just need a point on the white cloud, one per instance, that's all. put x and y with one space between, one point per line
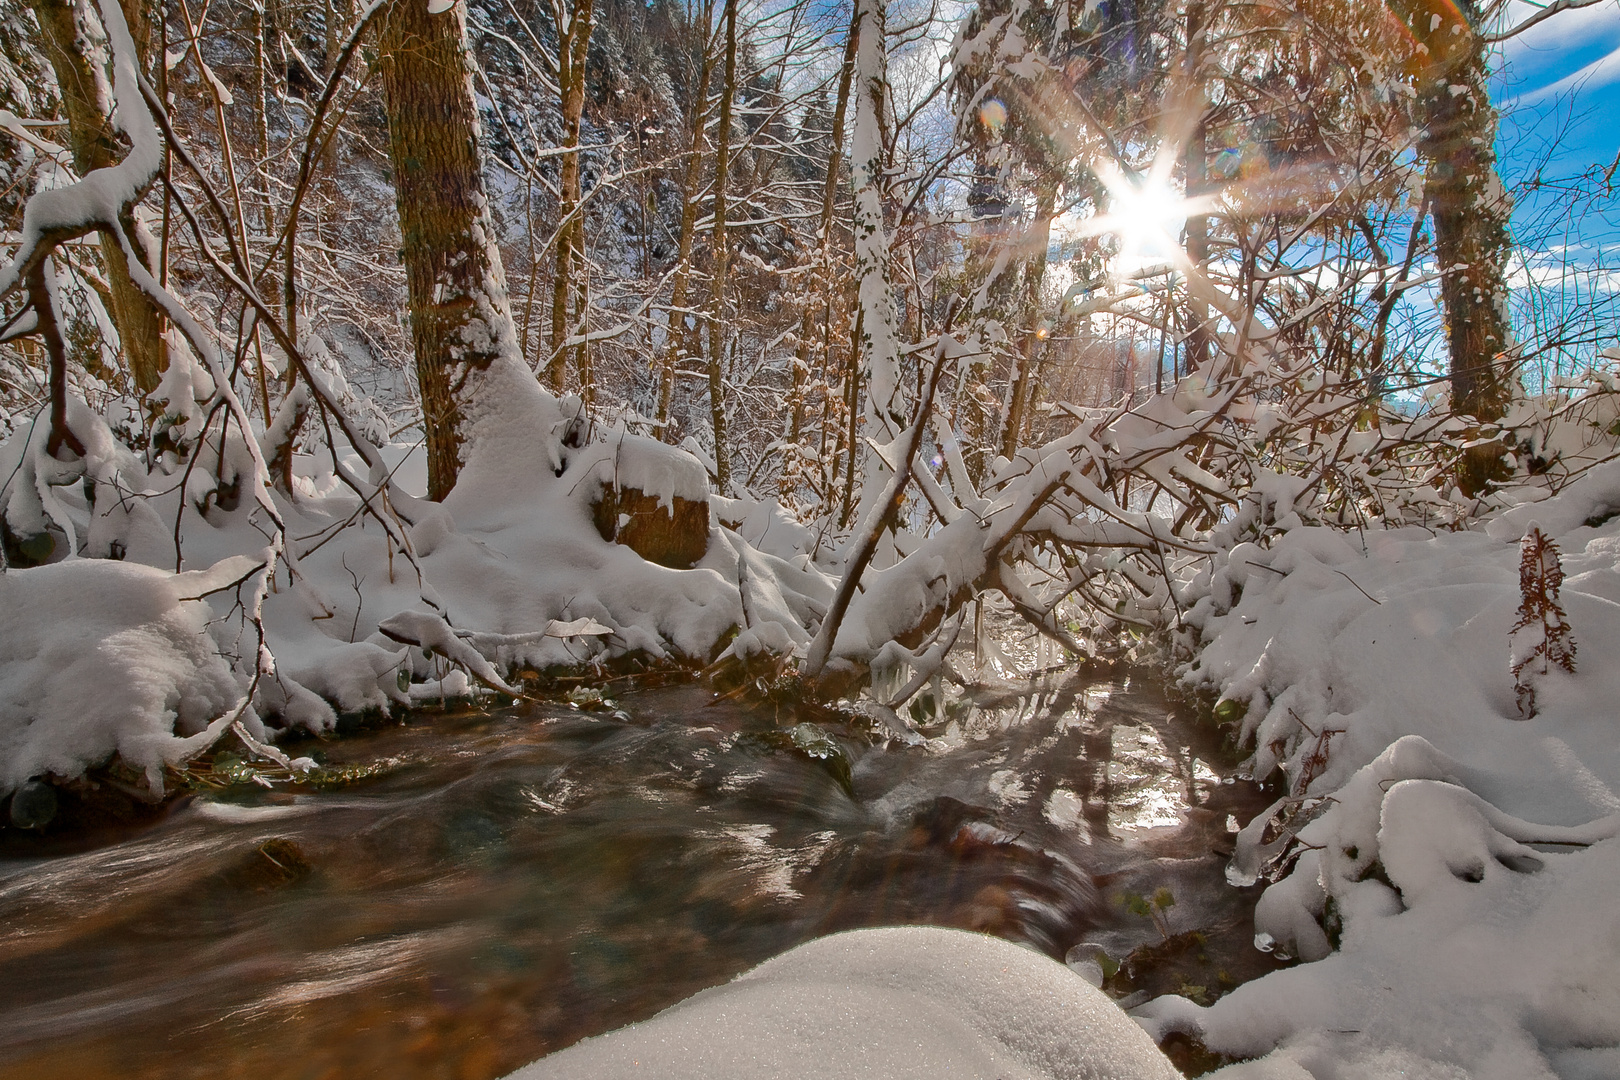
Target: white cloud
1600 72
1563 32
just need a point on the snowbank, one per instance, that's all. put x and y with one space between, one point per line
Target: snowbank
1449 868
902 1003
100 657
104 654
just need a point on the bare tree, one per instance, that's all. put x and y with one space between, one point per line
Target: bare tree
574 27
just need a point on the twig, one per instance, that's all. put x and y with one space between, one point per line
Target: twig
1359 589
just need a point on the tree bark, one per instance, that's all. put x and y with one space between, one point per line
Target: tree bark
829 196
1469 208
459 321
676 339
1195 177
1022 387
77 53
41 297
876 340
717 293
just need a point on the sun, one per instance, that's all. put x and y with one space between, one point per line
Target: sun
1147 214
1146 211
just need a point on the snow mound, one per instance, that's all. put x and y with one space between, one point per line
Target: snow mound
100 657
623 460
897 1003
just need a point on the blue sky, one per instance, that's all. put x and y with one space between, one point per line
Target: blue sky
1558 89
1561 76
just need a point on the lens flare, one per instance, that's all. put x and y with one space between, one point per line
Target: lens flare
993 115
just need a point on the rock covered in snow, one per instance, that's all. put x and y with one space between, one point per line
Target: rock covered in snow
654 498
899 1003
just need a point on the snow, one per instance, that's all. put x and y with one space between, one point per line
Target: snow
1466 859
624 460
100 657
899 1003
509 573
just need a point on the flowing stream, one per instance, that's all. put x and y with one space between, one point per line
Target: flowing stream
484 888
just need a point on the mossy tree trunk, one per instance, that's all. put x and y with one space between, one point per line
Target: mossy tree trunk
460 324
1470 211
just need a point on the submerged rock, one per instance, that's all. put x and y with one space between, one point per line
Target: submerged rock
33 805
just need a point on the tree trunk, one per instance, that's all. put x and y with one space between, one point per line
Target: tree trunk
829 198
572 52
1199 344
460 324
77 53
1470 211
1022 386
717 302
676 338
1469 208
1195 177
877 341
825 242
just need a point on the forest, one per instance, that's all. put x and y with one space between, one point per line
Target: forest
361 361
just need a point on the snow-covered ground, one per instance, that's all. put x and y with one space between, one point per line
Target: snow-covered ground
1455 865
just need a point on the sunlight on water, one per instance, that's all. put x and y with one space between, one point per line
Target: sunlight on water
1150 786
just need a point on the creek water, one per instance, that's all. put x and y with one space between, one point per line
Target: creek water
486 888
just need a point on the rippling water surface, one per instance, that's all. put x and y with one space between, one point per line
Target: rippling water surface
503 885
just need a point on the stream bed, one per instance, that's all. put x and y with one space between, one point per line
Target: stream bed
482 889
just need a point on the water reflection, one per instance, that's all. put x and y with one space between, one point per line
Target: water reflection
505 885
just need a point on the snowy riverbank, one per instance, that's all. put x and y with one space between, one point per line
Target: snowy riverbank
1445 866
380 599
1451 873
